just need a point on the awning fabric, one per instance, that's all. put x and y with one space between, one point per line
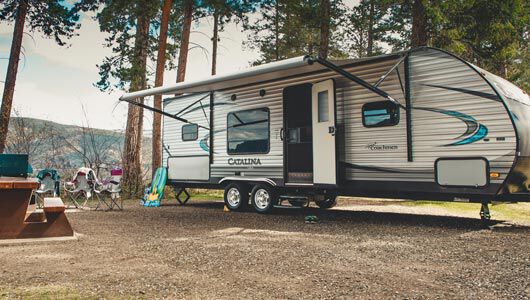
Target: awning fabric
265 72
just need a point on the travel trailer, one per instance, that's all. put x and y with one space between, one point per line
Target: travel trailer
419 124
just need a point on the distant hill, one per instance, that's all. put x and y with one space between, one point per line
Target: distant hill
68 147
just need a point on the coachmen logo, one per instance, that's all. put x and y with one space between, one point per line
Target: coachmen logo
376 147
244 162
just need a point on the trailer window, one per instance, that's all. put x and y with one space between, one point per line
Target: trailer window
379 114
190 132
248 131
323 107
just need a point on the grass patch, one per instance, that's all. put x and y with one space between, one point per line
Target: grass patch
206 194
513 211
43 292
504 211
456 206
57 292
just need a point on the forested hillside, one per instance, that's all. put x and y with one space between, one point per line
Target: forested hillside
67 147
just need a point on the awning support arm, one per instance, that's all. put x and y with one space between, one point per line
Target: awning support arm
186 108
348 75
390 71
162 112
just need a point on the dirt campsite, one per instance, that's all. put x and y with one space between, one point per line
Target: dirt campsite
360 249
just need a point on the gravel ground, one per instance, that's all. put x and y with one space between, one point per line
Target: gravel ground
198 251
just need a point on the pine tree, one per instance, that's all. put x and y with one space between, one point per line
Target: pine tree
52 19
412 23
325 23
130 25
289 28
156 160
188 9
222 12
364 28
419 34
487 32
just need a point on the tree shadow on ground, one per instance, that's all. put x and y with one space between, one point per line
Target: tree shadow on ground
379 218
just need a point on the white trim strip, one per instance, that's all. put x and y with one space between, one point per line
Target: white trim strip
260 179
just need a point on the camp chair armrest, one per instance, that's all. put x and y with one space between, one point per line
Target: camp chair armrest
69 186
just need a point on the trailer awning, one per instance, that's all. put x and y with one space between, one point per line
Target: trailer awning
265 72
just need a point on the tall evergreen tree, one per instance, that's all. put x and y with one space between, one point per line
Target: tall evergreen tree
222 12
412 23
491 33
364 28
325 23
488 32
419 34
131 26
288 28
188 7
156 160
51 18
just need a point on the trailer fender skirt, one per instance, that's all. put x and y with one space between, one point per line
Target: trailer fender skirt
249 179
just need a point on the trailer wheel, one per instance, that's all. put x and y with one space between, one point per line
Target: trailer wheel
263 198
236 196
328 202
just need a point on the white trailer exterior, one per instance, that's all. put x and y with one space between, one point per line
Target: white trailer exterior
428 125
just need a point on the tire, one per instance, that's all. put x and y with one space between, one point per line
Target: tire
236 196
329 202
263 198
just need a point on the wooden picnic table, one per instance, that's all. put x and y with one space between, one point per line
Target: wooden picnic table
18 221
18 183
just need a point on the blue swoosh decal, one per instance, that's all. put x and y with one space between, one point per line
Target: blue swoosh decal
481 133
205 141
474 132
204 144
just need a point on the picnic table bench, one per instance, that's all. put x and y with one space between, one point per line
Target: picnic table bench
20 220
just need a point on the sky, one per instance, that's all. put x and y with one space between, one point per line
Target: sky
56 83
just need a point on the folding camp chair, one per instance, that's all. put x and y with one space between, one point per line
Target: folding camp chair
108 191
49 181
81 187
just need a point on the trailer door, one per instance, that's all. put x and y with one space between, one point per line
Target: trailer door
324 130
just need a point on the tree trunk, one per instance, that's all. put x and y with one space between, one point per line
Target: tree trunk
370 45
132 175
185 40
324 29
277 31
503 70
12 69
156 160
419 24
215 40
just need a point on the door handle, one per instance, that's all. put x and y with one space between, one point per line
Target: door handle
332 130
282 133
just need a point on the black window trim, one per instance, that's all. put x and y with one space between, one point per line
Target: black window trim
386 125
268 131
188 125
